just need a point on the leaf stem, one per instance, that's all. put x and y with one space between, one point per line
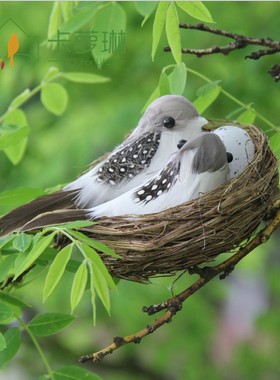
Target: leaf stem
30 95
70 237
38 347
235 100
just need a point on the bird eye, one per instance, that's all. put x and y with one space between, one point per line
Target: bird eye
181 143
168 122
229 157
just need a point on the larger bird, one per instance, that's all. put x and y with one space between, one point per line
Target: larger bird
198 167
147 150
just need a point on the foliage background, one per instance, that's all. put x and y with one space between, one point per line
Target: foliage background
96 119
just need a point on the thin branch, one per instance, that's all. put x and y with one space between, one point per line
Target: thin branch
174 304
239 38
240 42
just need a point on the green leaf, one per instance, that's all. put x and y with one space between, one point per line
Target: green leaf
77 224
12 134
173 33
274 143
94 258
164 87
108 21
74 373
20 99
14 301
56 270
16 152
145 8
100 279
49 323
247 117
79 19
85 78
81 237
93 243
72 266
98 282
12 338
178 79
3 344
207 95
104 248
196 9
6 265
33 273
36 251
55 98
158 25
5 312
79 285
204 90
51 73
93 294
55 20
67 9
5 240
22 242
231 115
16 117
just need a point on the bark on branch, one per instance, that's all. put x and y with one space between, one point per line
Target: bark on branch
240 42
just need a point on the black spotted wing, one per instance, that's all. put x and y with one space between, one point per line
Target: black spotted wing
129 161
158 185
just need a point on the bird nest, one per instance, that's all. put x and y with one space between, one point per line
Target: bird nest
197 231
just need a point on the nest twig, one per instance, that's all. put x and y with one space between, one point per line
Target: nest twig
196 231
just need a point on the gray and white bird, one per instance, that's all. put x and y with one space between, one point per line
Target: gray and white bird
147 150
198 167
239 144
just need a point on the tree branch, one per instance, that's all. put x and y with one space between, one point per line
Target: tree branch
174 304
240 42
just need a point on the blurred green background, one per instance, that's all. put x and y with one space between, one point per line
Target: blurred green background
231 329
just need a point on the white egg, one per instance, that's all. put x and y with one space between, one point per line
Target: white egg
239 144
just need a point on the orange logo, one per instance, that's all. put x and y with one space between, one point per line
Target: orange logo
13 47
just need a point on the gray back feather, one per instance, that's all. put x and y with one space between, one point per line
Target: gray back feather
172 105
210 153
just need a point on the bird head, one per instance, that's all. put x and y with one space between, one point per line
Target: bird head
170 113
209 153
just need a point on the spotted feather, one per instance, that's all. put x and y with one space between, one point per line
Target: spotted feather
159 185
129 161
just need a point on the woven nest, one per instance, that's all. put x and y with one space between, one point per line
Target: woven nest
196 231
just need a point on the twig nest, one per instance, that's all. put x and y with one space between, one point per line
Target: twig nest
196 231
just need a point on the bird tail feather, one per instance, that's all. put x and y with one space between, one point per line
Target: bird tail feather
18 217
55 218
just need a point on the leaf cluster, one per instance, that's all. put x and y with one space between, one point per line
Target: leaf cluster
25 257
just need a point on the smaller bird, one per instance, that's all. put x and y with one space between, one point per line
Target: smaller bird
13 46
198 167
240 145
